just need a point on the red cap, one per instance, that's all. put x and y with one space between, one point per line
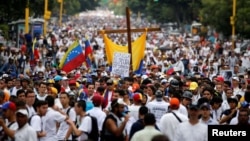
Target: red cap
174 102
72 82
220 78
137 97
97 100
9 105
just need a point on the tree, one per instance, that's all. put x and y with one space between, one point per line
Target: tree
180 11
216 13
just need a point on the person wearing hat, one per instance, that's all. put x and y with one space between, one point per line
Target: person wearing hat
158 106
230 113
186 98
193 87
206 114
134 108
97 111
187 131
112 131
9 109
24 131
235 86
172 119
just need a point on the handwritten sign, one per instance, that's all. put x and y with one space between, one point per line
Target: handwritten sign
121 64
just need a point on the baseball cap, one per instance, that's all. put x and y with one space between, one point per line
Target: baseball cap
158 95
23 112
235 78
193 107
57 78
174 102
205 105
110 82
72 82
219 78
137 97
193 86
187 94
97 100
9 105
64 78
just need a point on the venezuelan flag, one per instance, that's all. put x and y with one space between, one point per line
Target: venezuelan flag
73 58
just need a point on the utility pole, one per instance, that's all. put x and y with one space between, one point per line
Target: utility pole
232 22
47 15
61 12
27 16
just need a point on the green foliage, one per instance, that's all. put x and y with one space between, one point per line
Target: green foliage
12 10
5 30
217 14
180 11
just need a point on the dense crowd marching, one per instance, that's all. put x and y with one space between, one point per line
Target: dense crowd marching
209 85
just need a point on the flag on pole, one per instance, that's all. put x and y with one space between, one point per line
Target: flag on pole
169 70
88 54
73 58
35 52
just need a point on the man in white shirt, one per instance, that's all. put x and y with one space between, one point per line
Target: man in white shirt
170 121
85 126
193 129
9 109
97 111
158 107
64 131
42 91
206 115
35 120
24 132
50 121
30 100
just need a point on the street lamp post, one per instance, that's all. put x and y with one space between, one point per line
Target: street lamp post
232 21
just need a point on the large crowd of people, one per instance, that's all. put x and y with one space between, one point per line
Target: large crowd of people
185 85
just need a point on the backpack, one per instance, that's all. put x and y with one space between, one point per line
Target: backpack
29 120
94 134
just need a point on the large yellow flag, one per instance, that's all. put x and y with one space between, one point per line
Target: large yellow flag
138 48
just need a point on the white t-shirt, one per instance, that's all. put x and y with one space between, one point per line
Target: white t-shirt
99 115
50 121
188 132
86 127
134 111
12 126
158 108
169 122
63 128
26 133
